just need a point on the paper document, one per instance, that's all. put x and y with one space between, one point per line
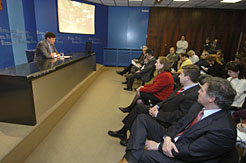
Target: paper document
67 56
135 64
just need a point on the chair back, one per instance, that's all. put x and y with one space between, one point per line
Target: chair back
30 55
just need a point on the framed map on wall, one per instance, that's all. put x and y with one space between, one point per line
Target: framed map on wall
1 5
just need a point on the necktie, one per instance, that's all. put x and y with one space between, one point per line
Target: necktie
179 91
198 118
50 48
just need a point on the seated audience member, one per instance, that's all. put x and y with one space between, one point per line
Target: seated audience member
241 60
145 73
183 61
46 49
202 63
220 57
192 56
172 56
214 69
215 47
139 61
182 45
206 134
159 90
241 138
238 82
169 110
207 45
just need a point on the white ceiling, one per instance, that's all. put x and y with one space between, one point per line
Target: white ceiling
171 3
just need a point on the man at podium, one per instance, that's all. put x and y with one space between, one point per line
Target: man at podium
45 49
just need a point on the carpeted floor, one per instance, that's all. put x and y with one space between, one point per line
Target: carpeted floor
81 136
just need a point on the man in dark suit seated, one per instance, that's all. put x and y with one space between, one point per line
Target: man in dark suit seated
145 73
139 61
206 134
46 48
169 110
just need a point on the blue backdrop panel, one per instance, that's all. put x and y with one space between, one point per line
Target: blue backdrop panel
137 27
30 23
110 57
123 58
127 27
117 27
6 51
120 57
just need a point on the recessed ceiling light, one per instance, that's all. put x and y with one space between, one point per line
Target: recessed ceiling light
230 1
180 0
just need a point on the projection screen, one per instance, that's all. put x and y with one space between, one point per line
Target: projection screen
76 17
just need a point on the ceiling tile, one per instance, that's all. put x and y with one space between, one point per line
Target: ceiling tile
170 3
121 4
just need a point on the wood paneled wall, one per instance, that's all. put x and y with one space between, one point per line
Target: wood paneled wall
166 25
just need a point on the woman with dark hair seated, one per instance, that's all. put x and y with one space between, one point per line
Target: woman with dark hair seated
159 90
238 82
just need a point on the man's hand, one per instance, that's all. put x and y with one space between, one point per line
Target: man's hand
53 55
168 146
153 111
138 71
151 145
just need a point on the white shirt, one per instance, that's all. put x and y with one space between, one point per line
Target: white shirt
240 87
182 45
194 59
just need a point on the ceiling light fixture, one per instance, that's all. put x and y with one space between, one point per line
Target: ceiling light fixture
230 1
158 1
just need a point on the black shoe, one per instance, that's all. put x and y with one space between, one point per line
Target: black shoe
120 73
124 82
128 89
123 142
117 134
124 110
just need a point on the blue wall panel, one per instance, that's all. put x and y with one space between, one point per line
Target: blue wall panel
137 27
117 27
127 27
6 52
30 23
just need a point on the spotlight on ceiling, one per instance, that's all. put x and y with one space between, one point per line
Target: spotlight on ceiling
158 1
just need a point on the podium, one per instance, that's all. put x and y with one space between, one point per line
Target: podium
27 91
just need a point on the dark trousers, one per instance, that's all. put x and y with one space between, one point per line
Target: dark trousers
131 78
145 97
144 127
132 115
127 69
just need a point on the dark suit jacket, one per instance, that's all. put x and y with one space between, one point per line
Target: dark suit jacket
175 107
148 70
141 59
206 141
43 50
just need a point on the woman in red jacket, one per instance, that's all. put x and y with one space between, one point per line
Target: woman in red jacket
159 90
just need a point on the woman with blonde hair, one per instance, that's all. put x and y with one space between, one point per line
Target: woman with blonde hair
159 90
